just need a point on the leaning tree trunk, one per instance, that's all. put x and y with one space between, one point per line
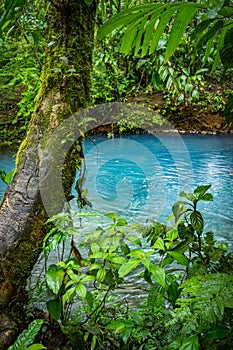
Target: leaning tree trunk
65 89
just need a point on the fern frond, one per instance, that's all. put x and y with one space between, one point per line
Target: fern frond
204 299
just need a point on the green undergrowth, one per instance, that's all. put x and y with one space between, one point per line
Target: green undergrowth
181 276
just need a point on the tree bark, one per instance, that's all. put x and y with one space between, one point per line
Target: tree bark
65 89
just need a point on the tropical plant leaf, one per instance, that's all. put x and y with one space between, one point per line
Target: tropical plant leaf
81 290
158 274
181 22
146 23
160 27
197 221
208 296
26 338
100 276
54 278
191 343
180 258
201 190
156 296
128 266
54 308
36 347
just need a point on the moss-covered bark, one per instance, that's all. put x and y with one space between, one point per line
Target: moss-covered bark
65 89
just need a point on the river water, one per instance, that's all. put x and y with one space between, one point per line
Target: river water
141 176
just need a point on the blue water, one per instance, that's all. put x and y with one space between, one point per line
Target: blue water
140 176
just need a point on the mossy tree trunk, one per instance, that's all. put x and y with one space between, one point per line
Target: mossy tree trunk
65 89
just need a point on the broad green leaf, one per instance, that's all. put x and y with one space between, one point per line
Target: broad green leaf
81 290
173 292
125 249
180 258
89 298
100 276
117 260
93 342
119 323
128 266
121 222
126 333
54 278
36 347
112 216
172 234
69 295
181 22
95 248
197 221
158 274
221 40
191 343
201 190
217 332
187 195
146 262
26 338
226 11
207 197
159 244
7 177
54 308
134 239
139 253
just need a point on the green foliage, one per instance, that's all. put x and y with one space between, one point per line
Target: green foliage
188 293
145 27
6 177
26 338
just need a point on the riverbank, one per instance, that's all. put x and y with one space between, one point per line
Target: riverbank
196 118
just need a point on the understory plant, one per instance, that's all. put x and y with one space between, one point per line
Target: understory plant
140 286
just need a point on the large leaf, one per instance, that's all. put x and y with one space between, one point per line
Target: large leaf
146 23
180 258
27 337
54 308
160 27
54 278
197 221
158 274
191 343
181 22
36 347
128 266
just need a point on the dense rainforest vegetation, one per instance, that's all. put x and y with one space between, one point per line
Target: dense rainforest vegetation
58 58
180 88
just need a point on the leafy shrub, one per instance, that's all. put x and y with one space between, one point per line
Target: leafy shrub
188 293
